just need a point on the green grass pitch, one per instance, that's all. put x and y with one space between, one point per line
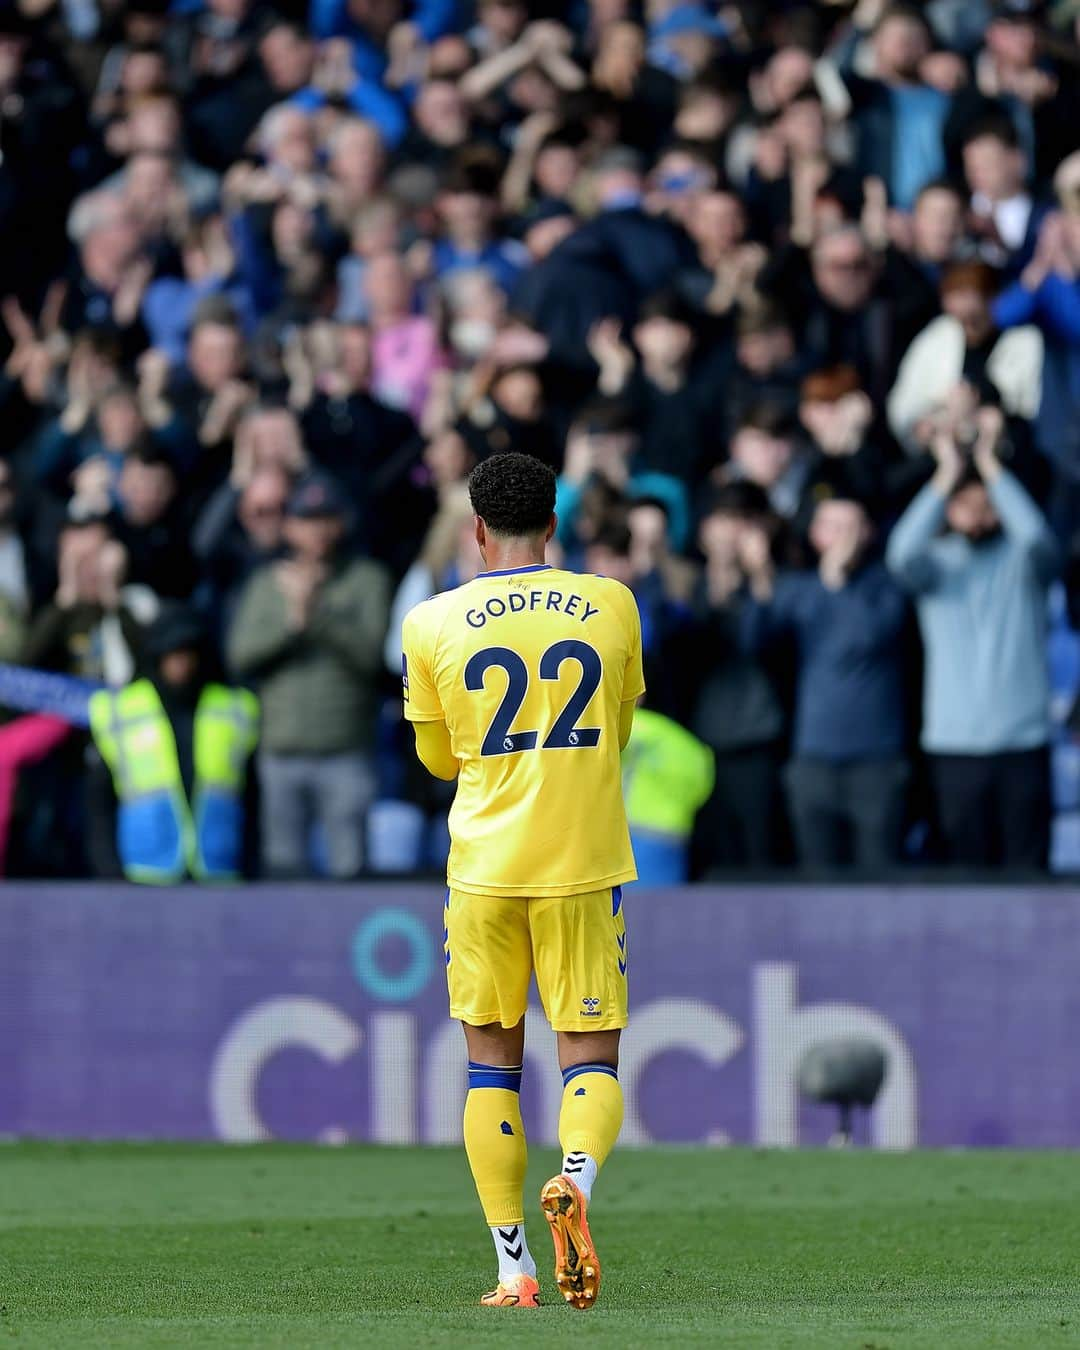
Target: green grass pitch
281 1246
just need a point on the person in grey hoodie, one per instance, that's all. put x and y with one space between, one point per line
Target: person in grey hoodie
978 556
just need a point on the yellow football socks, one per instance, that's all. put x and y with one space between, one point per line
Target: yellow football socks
495 1141
590 1120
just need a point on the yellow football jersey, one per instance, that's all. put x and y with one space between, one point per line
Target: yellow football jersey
528 669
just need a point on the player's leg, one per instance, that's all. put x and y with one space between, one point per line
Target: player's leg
579 950
488 964
592 1105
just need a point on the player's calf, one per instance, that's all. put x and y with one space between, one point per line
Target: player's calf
589 1123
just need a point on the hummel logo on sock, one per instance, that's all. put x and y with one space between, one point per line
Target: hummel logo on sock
510 1237
574 1163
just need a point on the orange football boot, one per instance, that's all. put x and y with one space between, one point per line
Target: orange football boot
520 1291
577 1267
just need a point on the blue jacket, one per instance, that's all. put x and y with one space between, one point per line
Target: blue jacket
1055 306
849 702
331 18
367 98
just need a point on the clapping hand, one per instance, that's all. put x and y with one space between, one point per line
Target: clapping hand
989 431
755 559
299 583
91 483
36 349
947 458
335 73
112 566
224 411
609 351
838 561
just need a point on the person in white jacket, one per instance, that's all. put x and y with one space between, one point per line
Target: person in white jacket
963 343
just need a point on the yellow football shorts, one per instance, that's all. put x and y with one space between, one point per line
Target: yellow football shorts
576 944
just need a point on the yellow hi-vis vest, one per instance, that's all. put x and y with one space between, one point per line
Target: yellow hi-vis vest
161 836
667 776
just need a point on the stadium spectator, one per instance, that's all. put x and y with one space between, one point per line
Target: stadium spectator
566 291
240 528
765 452
980 590
737 706
308 633
669 394
177 746
851 306
600 452
93 624
899 119
99 423
209 268
512 413
1002 210
767 366
667 775
851 455
848 776
405 350
964 343
1047 294
933 235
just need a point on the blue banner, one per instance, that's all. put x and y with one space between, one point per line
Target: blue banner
43 691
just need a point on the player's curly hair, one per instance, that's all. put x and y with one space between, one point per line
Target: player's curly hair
513 494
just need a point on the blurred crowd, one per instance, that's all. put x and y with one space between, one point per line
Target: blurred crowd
787 293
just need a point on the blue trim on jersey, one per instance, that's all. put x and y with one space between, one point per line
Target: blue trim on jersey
616 900
568 1075
516 571
494 1076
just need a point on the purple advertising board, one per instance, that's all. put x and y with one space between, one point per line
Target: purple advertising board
320 1013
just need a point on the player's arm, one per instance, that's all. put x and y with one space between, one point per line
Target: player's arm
423 707
633 686
433 750
626 721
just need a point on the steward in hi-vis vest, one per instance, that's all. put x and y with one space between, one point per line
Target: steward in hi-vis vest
667 777
178 748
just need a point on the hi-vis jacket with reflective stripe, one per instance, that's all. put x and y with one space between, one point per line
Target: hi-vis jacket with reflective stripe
667 776
161 836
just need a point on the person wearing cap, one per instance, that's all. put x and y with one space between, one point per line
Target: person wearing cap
308 633
178 747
